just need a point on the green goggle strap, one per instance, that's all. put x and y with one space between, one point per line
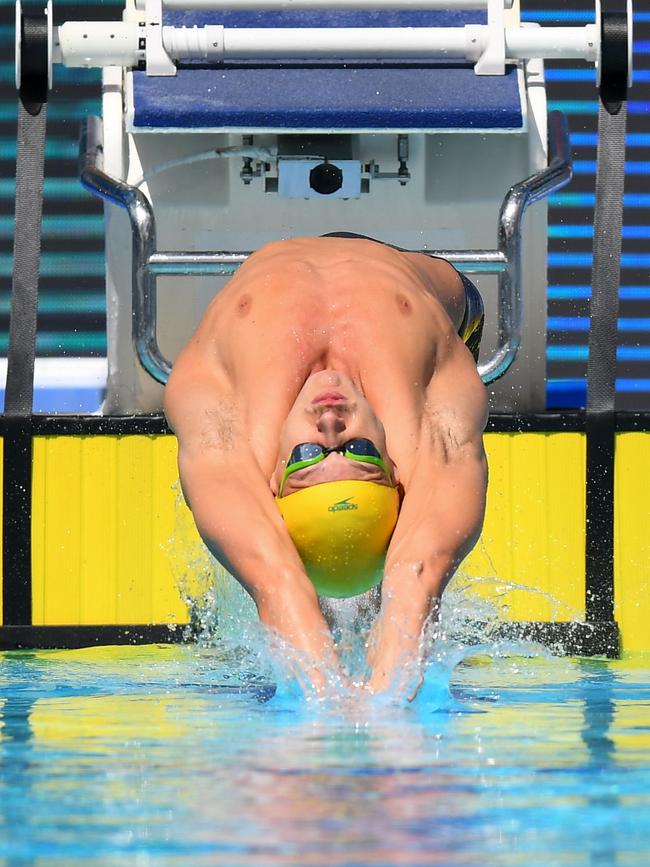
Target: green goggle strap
366 459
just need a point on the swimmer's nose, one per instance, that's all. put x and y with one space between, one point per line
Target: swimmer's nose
330 424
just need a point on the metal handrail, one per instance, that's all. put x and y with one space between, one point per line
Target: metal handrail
519 197
148 263
225 264
143 232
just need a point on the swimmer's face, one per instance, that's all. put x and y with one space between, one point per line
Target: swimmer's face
330 410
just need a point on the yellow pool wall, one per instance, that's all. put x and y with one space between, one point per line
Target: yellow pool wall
108 521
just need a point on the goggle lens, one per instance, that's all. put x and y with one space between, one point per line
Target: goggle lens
362 448
306 454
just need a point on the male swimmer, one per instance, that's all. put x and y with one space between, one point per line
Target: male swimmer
330 417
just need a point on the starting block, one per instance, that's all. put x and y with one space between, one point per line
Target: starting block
429 152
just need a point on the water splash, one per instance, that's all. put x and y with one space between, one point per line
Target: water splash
223 617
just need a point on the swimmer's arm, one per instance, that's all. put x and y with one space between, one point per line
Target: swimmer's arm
236 516
440 519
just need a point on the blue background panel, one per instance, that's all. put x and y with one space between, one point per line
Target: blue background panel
351 98
572 89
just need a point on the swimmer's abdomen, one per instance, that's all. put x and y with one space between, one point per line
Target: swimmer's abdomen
374 316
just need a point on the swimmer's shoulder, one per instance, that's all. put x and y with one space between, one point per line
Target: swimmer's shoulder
438 272
197 374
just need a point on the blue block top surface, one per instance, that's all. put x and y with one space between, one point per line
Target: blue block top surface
355 97
325 18
331 98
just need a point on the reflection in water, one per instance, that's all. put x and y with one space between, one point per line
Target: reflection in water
130 754
598 686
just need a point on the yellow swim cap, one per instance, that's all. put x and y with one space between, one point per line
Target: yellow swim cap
341 530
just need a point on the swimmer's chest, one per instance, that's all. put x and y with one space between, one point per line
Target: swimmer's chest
300 328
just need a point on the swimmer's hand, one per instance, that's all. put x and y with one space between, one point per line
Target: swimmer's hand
288 605
402 685
398 676
402 634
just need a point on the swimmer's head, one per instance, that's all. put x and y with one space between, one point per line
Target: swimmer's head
330 409
340 510
341 531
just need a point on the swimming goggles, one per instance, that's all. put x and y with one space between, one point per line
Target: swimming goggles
358 449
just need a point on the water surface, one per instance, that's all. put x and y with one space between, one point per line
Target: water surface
187 755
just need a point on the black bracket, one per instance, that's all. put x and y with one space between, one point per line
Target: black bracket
33 56
615 66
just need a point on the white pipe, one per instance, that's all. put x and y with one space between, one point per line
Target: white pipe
98 43
372 42
569 43
291 5
326 42
118 44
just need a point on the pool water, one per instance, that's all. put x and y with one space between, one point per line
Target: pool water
187 755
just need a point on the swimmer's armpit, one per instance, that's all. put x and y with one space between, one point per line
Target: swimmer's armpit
446 432
218 428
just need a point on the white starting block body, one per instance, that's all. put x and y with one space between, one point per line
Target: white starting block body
426 153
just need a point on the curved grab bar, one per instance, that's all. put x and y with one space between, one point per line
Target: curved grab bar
517 200
143 231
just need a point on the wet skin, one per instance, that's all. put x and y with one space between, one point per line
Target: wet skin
322 340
